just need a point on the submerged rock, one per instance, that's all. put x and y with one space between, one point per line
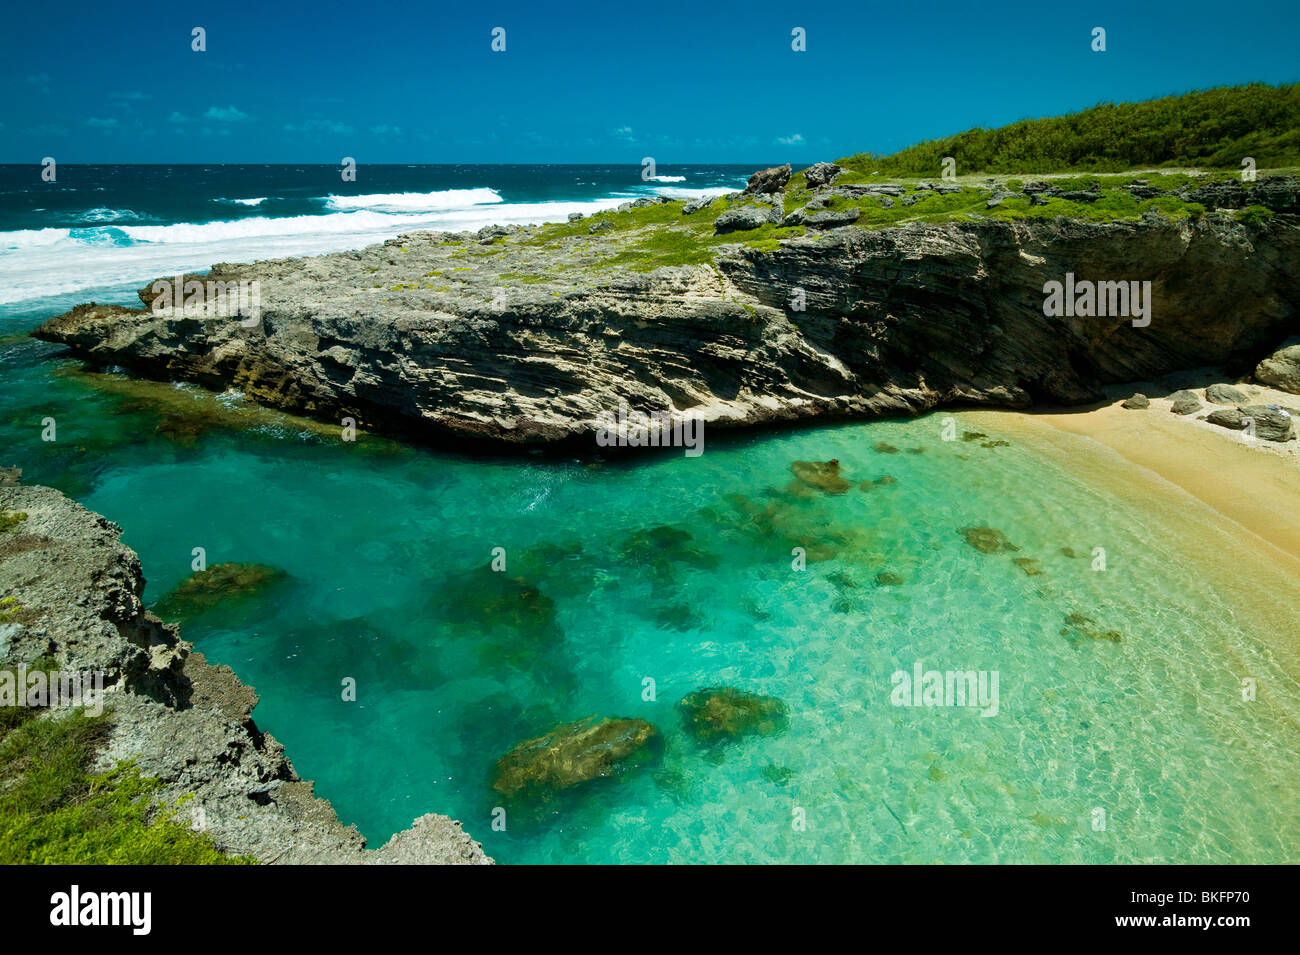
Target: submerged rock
573 754
887 578
884 447
220 583
724 712
183 429
1029 565
824 475
490 599
1079 628
987 540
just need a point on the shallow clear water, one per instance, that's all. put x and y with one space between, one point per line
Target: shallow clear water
387 552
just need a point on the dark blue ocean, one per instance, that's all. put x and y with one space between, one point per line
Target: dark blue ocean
98 227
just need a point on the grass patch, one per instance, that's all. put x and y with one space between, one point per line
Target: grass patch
10 520
55 811
1212 128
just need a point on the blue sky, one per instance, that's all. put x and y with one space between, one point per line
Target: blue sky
590 81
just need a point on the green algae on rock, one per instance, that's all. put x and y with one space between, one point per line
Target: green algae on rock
1029 565
206 589
1080 628
824 475
574 754
987 540
8 521
723 712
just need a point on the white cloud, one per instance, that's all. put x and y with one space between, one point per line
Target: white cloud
176 117
385 130
227 114
795 140
318 126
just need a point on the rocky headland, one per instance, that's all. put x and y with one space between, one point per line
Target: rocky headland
74 598
808 295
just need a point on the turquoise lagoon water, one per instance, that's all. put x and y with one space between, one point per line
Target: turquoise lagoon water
387 551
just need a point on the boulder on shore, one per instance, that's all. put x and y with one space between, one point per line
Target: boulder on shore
1230 418
769 180
1281 370
1271 424
746 217
1137 402
1225 395
1185 401
822 174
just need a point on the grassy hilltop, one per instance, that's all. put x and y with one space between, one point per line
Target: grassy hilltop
1211 129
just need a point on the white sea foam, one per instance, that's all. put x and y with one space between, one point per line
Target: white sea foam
244 202
669 178
102 214
37 263
681 192
414 201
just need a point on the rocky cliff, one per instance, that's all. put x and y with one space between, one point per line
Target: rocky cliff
529 336
75 594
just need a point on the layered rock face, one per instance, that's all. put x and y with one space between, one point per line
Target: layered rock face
539 341
76 592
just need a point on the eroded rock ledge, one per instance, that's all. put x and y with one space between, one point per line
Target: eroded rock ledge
182 719
532 336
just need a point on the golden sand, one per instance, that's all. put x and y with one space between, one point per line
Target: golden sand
1230 506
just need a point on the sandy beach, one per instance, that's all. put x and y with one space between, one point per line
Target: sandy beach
1230 505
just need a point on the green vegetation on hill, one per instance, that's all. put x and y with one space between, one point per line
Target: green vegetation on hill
1213 128
54 809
